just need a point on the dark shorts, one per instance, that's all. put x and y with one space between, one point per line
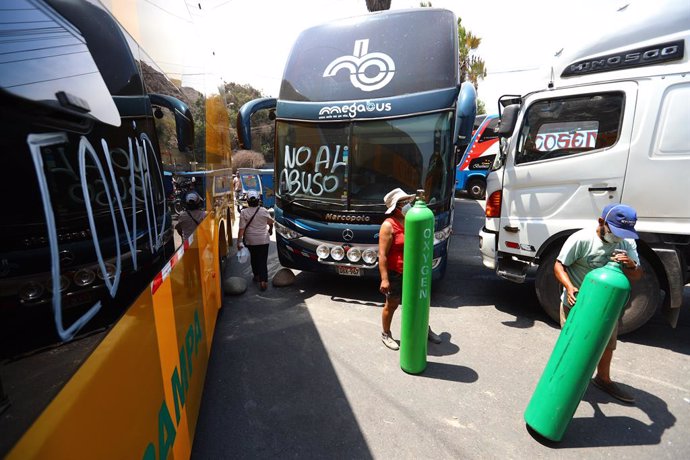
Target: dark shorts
395 280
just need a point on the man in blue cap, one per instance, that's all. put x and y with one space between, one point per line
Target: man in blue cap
587 249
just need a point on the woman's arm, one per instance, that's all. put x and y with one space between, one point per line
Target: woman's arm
385 242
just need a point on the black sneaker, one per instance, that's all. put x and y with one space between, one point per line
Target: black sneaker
613 390
433 337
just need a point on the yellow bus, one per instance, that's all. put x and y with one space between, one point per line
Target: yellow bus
106 317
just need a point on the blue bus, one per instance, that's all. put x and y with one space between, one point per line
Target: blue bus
364 108
474 166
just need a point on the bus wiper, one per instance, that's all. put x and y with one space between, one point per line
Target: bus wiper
309 203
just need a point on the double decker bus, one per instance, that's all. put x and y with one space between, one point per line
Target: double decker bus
366 104
474 166
106 313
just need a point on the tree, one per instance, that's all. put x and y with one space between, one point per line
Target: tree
378 5
472 67
247 159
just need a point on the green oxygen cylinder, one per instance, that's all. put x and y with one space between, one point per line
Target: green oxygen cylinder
583 338
416 289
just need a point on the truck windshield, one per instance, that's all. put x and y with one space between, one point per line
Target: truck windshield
352 165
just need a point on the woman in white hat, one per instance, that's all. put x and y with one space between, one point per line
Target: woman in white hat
391 242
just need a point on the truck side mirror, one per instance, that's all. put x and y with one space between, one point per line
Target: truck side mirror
508 120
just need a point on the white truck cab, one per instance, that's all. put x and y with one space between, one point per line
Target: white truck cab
611 126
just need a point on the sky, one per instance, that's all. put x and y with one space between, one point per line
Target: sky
253 38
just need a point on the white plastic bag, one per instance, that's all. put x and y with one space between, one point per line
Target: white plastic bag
243 255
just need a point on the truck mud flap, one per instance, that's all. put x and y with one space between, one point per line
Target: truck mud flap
674 275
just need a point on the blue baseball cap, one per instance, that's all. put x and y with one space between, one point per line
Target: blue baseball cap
621 219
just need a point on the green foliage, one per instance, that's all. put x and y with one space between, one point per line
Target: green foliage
472 67
481 107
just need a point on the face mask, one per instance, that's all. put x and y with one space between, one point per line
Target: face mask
405 208
611 238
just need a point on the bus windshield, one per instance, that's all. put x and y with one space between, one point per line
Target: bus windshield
352 165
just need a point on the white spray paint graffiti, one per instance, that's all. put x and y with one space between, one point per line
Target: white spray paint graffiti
304 174
139 162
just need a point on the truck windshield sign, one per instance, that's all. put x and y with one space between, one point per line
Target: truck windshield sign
560 136
639 57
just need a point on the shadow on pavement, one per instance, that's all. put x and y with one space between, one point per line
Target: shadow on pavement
603 431
450 372
271 390
658 333
445 348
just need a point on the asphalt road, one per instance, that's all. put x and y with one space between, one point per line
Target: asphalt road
300 372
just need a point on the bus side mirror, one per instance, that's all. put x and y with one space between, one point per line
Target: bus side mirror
466 112
508 120
184 121
244 124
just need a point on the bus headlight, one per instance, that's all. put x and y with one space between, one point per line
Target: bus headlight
354 255
109 271
442 235
31 291
84 277
285 232
369 256
337 253
323 251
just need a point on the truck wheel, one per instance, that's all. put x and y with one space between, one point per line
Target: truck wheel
476 188
547 286
645 298
645 294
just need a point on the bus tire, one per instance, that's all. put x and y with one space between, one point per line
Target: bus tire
476 188
645 294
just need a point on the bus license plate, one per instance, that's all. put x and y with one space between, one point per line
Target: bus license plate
348 271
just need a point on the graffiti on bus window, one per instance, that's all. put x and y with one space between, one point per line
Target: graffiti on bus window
84 191
315 174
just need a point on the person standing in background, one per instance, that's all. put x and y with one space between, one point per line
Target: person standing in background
256 226
192 215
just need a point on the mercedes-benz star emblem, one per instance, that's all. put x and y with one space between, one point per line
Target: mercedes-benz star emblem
348 234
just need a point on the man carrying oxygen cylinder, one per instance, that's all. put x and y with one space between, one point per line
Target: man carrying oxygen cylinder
587 249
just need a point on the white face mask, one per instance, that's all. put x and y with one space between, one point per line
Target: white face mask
405 208
611 238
